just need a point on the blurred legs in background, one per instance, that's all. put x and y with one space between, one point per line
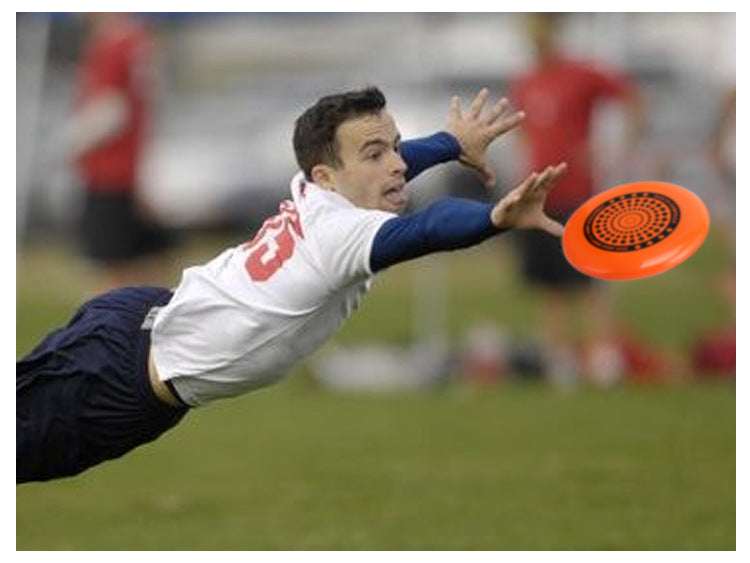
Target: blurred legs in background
122 243
561 94
579 338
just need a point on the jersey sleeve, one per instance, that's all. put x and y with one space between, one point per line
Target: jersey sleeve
110 71
609 84
123 64
344 242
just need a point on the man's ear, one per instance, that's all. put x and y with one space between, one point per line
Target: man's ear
322 175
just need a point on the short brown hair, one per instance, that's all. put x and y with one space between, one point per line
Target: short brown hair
315 130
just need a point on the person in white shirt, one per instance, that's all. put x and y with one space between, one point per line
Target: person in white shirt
132 362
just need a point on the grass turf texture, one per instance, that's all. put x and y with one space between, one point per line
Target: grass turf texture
515 467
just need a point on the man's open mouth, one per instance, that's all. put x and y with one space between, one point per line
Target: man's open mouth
396 196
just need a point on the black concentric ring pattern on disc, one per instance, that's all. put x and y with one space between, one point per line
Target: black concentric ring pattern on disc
632 222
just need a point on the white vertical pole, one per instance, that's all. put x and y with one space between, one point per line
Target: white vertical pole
32 36
430 309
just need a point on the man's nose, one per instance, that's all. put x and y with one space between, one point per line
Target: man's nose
398 165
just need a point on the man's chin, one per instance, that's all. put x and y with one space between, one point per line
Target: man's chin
398 209
395 205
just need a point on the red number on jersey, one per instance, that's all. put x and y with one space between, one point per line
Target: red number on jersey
274 243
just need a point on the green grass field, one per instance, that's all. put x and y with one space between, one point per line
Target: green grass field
518 466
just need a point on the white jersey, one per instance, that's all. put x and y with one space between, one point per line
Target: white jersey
243 319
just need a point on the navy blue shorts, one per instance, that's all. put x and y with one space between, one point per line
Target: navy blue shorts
114 230
83 395
543 261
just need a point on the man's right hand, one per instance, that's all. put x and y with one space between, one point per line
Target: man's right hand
523 207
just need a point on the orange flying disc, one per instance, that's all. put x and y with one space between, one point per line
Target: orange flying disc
635 230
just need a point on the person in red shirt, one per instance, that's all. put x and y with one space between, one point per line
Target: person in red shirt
106 139
559 95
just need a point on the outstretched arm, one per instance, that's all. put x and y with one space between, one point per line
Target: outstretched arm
453 223
466 138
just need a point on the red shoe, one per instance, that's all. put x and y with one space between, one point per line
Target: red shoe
715 355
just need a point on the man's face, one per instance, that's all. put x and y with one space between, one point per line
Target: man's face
541 30
371 174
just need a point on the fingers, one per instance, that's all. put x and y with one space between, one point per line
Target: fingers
478 103
494 122
493 117
541 181
524 206
552 227
498 109
499 124
504 125
555 173
546 180
522 190
455 108
536 185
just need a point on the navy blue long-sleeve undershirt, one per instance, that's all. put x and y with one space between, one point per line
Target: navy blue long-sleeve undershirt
421 154
447 224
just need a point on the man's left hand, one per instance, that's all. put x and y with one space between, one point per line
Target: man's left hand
476 129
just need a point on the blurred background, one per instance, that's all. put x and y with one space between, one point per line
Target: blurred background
451 409
231 85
